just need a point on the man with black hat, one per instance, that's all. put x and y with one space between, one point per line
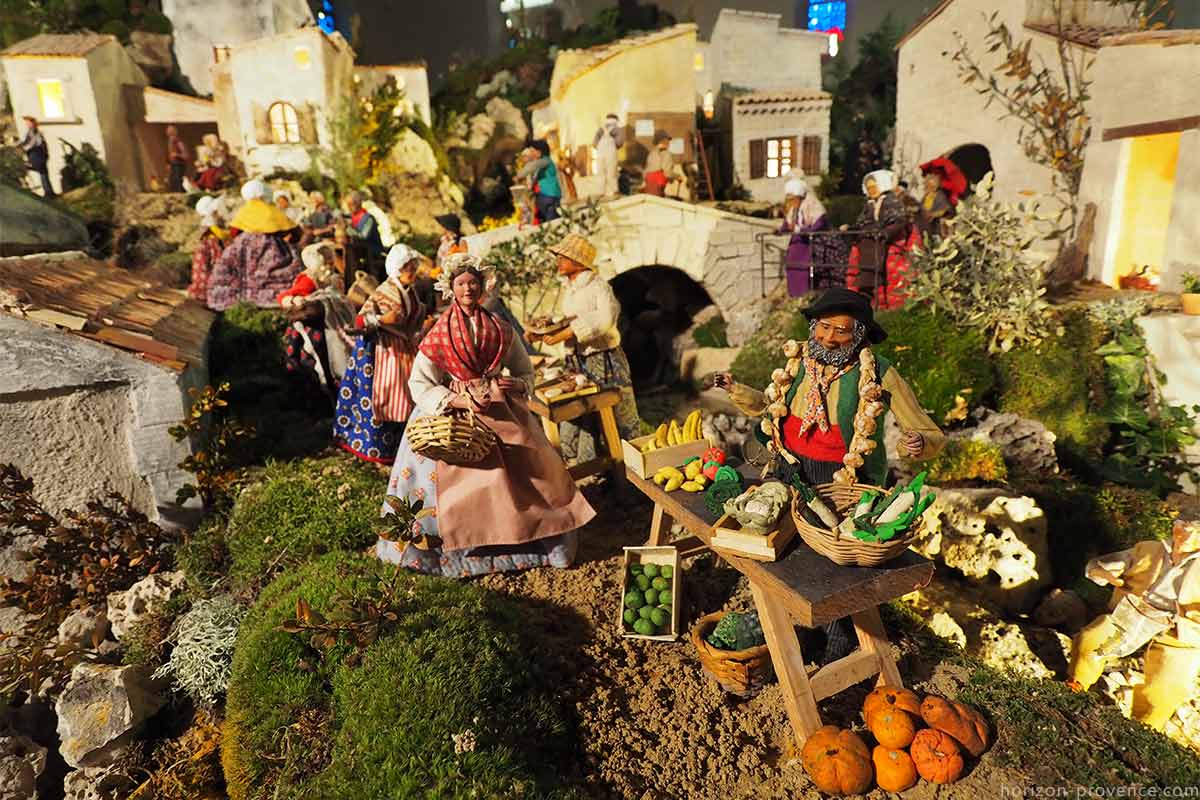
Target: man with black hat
824 413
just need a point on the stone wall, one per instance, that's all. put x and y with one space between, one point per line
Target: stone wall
812 121
751 50
83 419
716 249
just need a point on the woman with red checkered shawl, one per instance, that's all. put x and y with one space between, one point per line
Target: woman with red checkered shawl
518 507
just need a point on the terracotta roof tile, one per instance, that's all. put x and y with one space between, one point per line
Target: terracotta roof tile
75 45
1086 35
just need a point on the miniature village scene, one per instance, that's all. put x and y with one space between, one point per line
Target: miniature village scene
691 399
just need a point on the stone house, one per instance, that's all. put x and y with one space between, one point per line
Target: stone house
85 88
272 123
1142 168
95 365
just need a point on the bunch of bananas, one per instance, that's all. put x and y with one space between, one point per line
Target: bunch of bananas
674 434
690 478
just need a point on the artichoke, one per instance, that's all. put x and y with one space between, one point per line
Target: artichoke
759 509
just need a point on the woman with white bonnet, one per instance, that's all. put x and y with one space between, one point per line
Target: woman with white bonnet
373 401
883 229
318 341
803 214
211 244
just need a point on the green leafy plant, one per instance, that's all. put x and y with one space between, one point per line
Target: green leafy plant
218 458
203 640
12 167
982 276
83 166
1190 282
1150 433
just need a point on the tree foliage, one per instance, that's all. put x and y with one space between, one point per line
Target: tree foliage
21 19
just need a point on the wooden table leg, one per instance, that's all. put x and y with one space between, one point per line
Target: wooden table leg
660 527
612 437
789 664
873 638
551 429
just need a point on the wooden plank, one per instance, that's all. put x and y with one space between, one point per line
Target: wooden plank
660 526
551 430
873 638
69 321
690 546
588 468
812 588
844 673
563 412
1152 128
789 664
142 344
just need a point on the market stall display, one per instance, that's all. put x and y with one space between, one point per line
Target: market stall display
671 445
755 524
650 594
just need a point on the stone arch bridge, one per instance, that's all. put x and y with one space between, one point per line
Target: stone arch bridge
717 249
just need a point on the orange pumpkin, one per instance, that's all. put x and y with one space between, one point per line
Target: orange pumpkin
937 756
887 697
965 724
837 761
894 769
892 727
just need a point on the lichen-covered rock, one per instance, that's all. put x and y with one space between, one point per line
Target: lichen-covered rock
152 52
509 119
966 617
101 710
1063 610
412 154
99 783
1027 445
21 762
991 537
126 608
84 627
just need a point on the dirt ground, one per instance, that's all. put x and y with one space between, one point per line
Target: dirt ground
650 723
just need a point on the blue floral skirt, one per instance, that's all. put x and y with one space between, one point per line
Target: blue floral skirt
354 425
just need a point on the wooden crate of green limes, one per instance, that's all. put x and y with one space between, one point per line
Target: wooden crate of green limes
650 594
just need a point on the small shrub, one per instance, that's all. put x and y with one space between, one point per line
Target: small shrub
1058 383
711 334
939 359
967 460
1190 282
12 167
447 703
1128 516
218 448
200 661
299 510
83 166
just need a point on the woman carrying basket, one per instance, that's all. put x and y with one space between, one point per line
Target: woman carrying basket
518 506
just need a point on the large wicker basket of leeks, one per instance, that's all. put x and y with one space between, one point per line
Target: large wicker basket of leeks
855 524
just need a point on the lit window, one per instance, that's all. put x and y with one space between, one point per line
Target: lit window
709 107
285 125
779 157
699 62
825 16
303 57
834 44
52 98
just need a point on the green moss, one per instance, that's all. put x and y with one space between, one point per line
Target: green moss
380 722
299 510
967 460
204 557
711 334
1128 516
937 359
1060 383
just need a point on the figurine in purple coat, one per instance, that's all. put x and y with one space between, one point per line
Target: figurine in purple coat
803 215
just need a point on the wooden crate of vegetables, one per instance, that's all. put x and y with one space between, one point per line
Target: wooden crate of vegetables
670 445
859 525
650 594
755 525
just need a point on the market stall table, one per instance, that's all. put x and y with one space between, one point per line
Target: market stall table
601 403
802 588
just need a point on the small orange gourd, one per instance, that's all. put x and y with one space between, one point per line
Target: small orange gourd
894 769
965 724
887 697
892 728
837 761
937 756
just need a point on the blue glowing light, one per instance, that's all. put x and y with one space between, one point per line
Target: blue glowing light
825 16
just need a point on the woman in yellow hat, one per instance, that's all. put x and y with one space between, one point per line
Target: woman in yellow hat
595 346
262 261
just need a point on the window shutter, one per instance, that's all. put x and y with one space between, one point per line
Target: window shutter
262 124
582 156
307 117
758 158
811 163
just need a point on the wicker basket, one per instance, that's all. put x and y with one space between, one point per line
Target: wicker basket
456 438
740 672
846 550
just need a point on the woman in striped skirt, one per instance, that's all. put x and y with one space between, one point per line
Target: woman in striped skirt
373 401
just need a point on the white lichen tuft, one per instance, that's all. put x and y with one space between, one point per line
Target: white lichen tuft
204 638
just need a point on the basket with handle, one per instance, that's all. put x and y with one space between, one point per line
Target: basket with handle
740 672
846 550
457 438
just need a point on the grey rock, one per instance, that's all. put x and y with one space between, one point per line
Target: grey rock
1062 609
97 783
1027 445
12 623
84 627
101 711
21 762
127 608
152 52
